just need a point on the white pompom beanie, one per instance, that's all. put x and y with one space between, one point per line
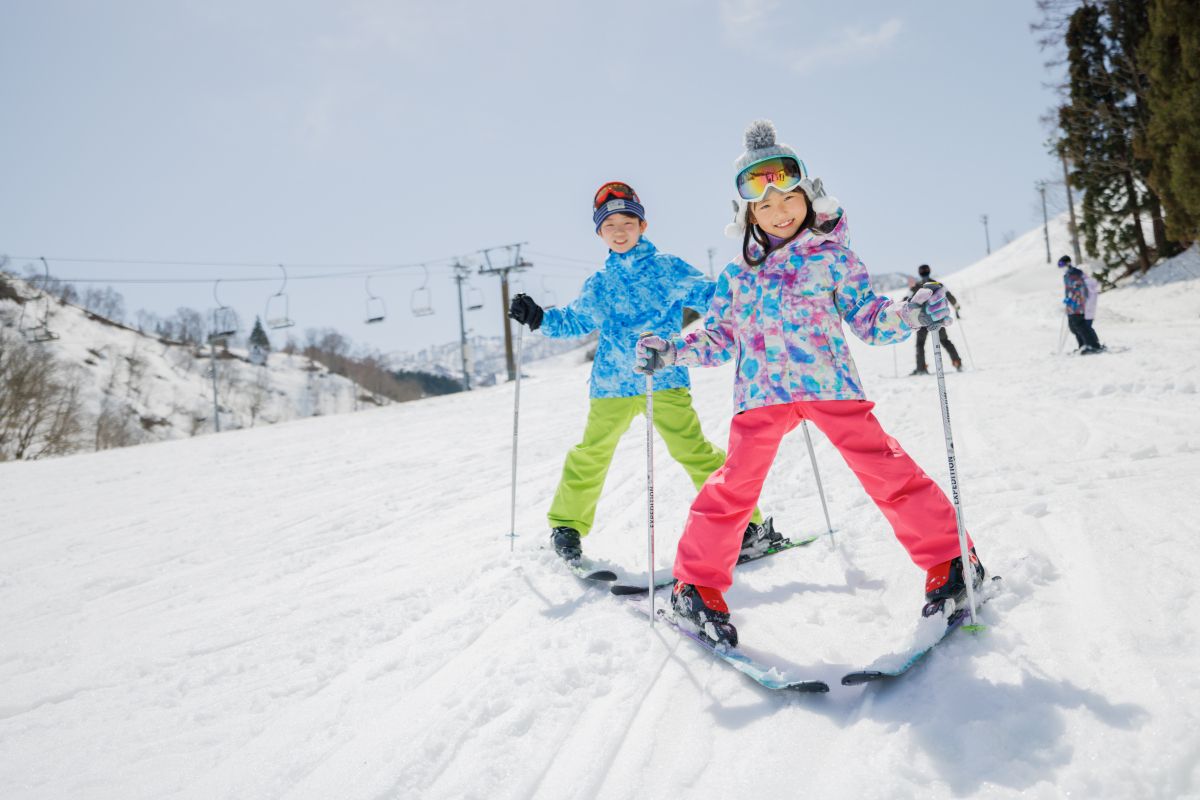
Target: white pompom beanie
761 144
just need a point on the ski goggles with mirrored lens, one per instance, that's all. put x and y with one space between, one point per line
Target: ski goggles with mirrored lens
781 172
614 190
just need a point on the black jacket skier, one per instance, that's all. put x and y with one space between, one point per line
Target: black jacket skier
943 337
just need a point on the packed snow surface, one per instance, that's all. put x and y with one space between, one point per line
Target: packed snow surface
329 608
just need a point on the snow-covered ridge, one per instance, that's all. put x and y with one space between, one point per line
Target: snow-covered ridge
152 389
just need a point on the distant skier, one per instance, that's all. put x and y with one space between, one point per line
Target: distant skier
639 290
943 337
1081 294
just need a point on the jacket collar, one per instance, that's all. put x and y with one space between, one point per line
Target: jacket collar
622 263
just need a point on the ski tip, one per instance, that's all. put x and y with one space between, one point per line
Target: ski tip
808 687
859 678
600 575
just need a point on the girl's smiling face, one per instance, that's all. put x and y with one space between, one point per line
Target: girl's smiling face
780 214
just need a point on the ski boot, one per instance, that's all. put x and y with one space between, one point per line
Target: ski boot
705 609
945 589
957 364
566 543
920 371
758 539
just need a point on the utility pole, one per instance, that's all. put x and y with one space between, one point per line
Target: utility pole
518 265
712 251
460 274
1041 187
987 237
1062 153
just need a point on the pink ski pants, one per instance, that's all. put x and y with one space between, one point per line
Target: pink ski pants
919 512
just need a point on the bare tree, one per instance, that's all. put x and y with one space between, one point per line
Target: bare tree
116 422
187 326
40 410
257 393
105 302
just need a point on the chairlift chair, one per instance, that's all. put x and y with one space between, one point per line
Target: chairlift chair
474 298
40 331
224 318
422 299
276 313
376 309
548 295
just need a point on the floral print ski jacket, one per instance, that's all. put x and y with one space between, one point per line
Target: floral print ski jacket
639 291
782 321
1074 290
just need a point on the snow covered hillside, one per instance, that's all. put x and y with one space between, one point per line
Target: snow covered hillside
328 608
139 388
486 360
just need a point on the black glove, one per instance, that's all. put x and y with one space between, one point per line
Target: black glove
525 311
957 313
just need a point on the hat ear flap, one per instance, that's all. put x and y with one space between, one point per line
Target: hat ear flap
741 214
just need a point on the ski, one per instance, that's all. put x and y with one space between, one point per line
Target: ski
766 676
624 587
785 544
587 570
896 664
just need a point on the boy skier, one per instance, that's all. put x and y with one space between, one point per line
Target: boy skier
639 290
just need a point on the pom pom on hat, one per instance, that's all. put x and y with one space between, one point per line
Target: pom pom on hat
760 134
761 144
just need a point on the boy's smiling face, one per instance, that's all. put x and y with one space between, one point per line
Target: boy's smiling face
621 232
780 213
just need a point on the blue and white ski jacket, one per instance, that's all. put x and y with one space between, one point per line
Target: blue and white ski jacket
637 292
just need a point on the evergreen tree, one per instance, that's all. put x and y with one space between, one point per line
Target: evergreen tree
258 336
1129 26
1106 112
1171 53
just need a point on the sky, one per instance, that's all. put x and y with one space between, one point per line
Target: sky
158 147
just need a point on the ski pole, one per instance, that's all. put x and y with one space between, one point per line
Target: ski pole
968 570
1062 334
895 363
816 472
512 529
650 487
962 329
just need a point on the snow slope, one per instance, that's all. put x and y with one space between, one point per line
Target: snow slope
328 608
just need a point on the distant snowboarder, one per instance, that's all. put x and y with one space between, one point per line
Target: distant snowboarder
1081 293
943 337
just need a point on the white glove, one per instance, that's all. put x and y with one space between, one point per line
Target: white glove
928 308
652 354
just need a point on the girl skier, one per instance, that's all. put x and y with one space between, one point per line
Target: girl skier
779 310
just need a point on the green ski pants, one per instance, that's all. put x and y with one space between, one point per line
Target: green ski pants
587 463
